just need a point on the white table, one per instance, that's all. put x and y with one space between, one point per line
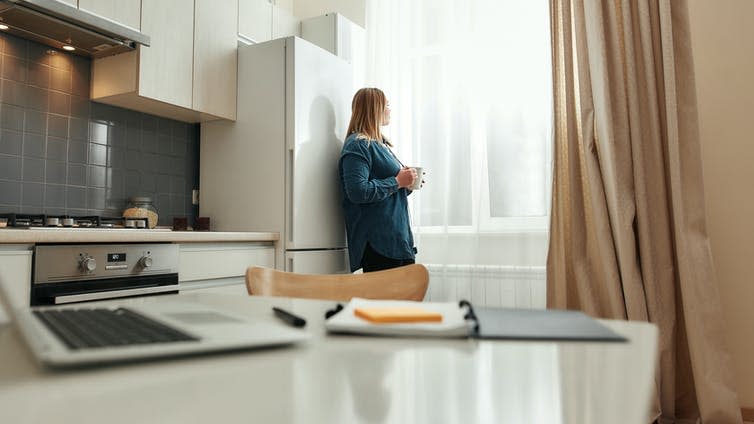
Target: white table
344 379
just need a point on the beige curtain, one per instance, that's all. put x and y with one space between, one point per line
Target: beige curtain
628 237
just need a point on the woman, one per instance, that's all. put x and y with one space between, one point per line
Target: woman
374 184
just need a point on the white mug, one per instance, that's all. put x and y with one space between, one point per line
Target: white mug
419 178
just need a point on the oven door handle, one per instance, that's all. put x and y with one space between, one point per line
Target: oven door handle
110 294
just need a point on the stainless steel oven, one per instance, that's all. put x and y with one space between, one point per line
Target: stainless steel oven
65 273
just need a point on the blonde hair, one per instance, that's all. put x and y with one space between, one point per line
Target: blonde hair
367 113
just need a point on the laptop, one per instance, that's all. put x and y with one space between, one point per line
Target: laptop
107 332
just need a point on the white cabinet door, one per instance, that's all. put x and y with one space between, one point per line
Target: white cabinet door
255 20
15 278
124 12
341 37
215 57
220 267
322 31
284 24
166 66
189 70
204 261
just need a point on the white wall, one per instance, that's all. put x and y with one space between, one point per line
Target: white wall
722 39
351 9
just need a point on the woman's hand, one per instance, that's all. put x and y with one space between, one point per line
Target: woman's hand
406 177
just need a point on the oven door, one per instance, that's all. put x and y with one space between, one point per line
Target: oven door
65 273
110 288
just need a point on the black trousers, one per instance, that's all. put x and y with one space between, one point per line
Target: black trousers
373 261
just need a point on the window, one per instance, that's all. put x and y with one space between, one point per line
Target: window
470 88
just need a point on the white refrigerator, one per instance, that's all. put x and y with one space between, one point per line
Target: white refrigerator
276 167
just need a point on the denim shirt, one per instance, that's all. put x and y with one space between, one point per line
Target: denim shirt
375 209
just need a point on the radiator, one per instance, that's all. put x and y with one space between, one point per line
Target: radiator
488 285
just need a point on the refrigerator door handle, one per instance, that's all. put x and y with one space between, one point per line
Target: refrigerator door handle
291 184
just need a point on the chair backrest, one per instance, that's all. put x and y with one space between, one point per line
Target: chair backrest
408 282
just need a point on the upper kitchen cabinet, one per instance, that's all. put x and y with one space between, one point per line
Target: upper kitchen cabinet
166 66
263 20
189 70
341 37
336 34
284 23
125 12
254 21
215 57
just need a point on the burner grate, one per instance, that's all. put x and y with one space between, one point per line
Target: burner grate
66 221
23 220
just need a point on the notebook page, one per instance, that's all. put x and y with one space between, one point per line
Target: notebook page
452 325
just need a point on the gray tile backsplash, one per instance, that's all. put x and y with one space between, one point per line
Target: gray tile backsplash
61 153
12 142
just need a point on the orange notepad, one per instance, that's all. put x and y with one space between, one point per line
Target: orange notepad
397 314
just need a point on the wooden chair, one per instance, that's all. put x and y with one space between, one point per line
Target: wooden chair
408 282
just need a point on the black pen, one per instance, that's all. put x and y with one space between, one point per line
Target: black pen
289 318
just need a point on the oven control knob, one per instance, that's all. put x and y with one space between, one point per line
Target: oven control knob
145 262
88 264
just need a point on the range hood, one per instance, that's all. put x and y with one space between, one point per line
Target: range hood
58 24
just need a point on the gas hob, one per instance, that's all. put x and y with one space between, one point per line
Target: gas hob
32 221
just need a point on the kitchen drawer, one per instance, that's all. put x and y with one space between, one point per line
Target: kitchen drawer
204 261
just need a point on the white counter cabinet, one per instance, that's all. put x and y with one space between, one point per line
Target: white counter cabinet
220 267
15 276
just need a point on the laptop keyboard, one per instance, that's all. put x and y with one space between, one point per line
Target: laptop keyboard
101 327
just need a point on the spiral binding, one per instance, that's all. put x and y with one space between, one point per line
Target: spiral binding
470 315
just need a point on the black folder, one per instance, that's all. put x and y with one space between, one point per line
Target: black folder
534 324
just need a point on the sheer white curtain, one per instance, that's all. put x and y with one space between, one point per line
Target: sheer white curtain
469 83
